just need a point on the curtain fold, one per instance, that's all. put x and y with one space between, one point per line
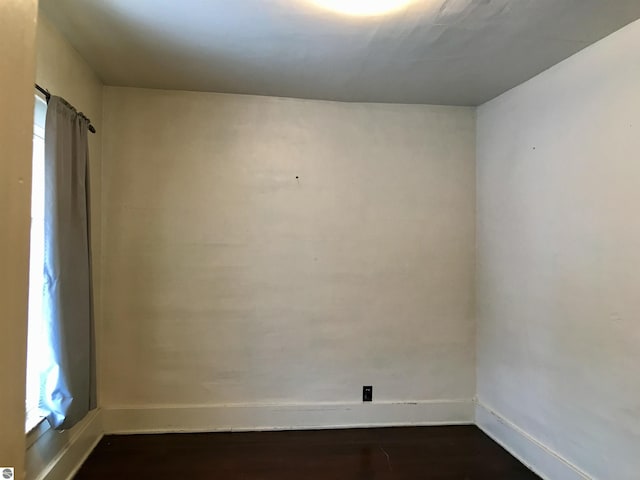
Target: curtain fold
69 381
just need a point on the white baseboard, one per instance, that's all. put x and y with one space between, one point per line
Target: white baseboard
59 455
250 417
542 460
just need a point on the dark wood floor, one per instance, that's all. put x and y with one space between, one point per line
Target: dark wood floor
429 453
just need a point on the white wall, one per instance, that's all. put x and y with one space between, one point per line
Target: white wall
17 65
559 259
230 283
227 280
61 70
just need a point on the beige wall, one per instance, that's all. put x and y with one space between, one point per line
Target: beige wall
62 71
559 257
17 57
229 280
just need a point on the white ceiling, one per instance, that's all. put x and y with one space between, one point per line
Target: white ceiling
455 52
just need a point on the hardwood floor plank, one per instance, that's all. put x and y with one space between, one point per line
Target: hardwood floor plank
429 453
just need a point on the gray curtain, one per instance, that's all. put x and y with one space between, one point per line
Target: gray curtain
69 381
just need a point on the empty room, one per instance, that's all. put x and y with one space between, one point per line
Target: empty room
320 239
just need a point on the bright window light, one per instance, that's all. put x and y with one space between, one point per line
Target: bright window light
363 8
36 343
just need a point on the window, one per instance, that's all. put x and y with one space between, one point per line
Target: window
36 344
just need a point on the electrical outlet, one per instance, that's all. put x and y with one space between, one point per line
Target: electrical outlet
367 393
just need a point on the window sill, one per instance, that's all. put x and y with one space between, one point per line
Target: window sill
36 426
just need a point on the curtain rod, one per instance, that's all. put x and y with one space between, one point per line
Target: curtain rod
47 95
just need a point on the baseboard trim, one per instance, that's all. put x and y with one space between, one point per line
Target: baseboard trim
250 417
76 445
59 455
541 459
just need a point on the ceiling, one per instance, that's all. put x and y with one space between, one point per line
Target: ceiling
452 52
